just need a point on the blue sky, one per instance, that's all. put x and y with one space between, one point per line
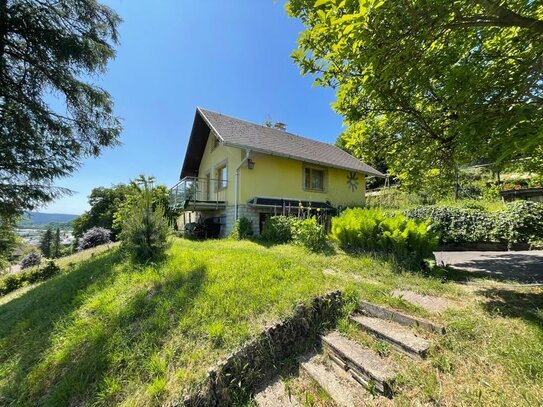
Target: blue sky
228 56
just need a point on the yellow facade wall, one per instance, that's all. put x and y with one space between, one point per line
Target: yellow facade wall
278 177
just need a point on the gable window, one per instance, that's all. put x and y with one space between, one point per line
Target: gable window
222 176
314 179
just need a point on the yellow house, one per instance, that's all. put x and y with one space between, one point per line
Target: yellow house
234 169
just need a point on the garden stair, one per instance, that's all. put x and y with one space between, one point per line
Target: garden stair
345 369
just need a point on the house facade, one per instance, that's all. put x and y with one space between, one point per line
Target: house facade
234 169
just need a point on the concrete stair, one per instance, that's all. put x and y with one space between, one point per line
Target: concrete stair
345 368
364 365
275 395
397 336
372 310
340 386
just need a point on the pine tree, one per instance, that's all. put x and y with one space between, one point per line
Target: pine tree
52 47
56 245
46 243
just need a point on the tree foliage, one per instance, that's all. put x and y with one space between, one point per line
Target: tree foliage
160 197
51 116
104 203
8 240
46 243
428 85
93 237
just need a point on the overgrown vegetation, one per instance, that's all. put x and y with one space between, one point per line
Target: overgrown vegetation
145 336
375 230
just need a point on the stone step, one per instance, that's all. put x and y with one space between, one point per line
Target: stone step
275 395
428 302
364 365
377 311
394 334
340 386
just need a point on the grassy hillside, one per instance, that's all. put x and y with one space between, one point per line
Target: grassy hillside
105 333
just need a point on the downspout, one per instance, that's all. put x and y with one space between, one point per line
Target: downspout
236 186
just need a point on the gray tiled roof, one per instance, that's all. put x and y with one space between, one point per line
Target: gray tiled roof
239 133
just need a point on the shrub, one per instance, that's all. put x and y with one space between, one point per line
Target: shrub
456 225
372 229
278 229
94 237
243 229
14 281
521 222
310 234
30 260
42 274
145 231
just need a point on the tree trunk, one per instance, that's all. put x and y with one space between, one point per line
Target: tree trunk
507 17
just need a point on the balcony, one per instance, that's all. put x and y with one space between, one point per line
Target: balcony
196 194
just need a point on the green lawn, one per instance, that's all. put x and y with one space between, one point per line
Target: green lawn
104 333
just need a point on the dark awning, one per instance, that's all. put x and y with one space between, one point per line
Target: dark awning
265 202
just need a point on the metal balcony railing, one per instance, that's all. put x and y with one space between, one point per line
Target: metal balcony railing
198 193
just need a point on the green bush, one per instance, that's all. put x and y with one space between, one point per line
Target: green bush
372 229
145 230
518 222
278 229
456 225
14 281
521 222
310 234
243 229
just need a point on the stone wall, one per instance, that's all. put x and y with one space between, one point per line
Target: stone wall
244 211
248 367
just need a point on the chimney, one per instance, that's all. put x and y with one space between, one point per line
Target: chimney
280 126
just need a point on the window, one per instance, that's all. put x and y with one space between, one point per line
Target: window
222 176
313 179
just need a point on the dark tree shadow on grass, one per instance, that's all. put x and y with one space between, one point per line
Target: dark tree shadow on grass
133 333
514 304
26 322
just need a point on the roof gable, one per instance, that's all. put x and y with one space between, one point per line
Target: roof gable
242 134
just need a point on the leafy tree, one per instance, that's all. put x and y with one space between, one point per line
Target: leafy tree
51 116
46 243
104 203
145 230
8 240
429 85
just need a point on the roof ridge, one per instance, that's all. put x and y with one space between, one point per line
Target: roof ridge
202 110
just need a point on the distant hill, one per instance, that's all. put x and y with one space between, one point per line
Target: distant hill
39 220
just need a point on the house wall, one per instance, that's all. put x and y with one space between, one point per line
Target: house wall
280 177
271 176
214 157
